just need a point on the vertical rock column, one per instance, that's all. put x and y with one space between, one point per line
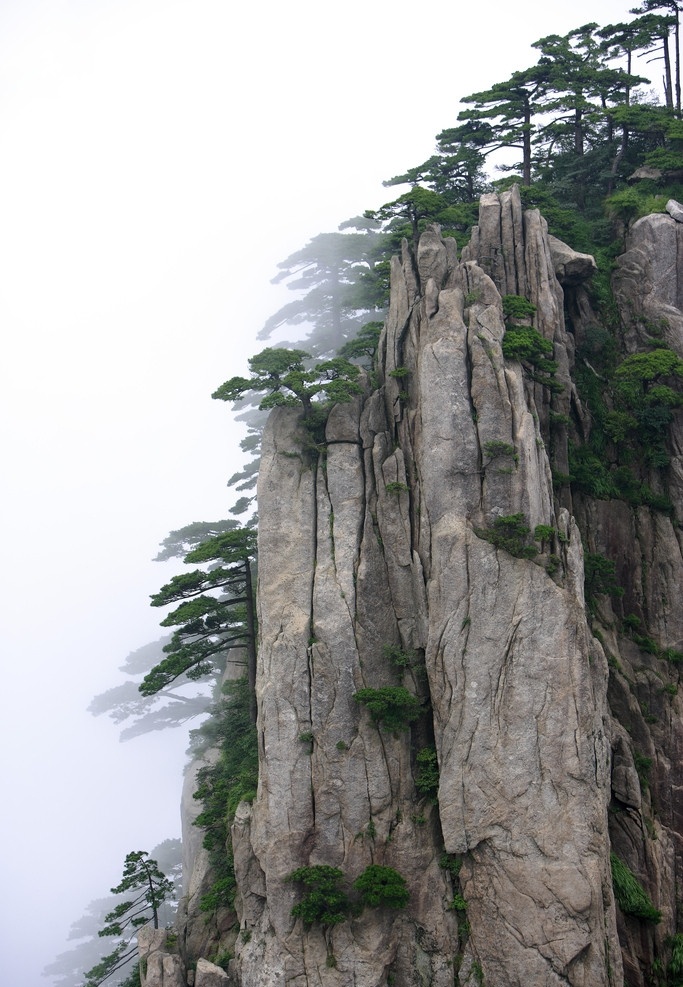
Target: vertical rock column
518 685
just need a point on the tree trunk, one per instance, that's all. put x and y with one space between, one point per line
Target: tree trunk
251 641
526 145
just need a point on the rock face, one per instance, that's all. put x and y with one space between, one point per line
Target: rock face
387 545
425 551
648 283
158 967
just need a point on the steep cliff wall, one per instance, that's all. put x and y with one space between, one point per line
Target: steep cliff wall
434 543
388 541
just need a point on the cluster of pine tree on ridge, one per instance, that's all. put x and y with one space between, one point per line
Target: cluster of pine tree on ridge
591 145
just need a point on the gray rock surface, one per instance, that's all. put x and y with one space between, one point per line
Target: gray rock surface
648 283
158 967
210 975
381 545
675 210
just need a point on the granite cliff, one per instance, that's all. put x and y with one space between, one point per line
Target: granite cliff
435 547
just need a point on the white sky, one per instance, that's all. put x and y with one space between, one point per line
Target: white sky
157 159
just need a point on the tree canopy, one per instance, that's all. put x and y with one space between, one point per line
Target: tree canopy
283 375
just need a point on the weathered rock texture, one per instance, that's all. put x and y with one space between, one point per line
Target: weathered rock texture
158 966
554 746
380 543
646 817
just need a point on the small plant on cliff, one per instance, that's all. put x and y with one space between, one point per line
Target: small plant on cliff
510 533
525 344
630 894
495 448
323 902
381 887
427 780
392 707
599 578
517 307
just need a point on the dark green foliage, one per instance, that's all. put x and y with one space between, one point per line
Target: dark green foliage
495 448
151 888
630 894
283 375
675 965
427 779
452 863
525 344
381 887
398 657
396 487
134 979
643 766
599 578
208 626
223 785
458 904
391 707
517 307
167 708
511 533
363 346
323 902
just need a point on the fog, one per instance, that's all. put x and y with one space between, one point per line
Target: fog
157 159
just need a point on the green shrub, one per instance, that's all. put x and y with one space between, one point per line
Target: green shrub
525 344
427 780
397 656
517 307
392 707
543 532
675 944
458 904
223 785
382 887
599 578
630 894
323 902
495 448
223 959
396 487
451 862
510 533
643 765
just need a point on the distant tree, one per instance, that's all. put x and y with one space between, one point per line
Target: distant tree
333 272
165 709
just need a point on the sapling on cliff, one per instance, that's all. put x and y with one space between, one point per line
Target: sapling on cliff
150 889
